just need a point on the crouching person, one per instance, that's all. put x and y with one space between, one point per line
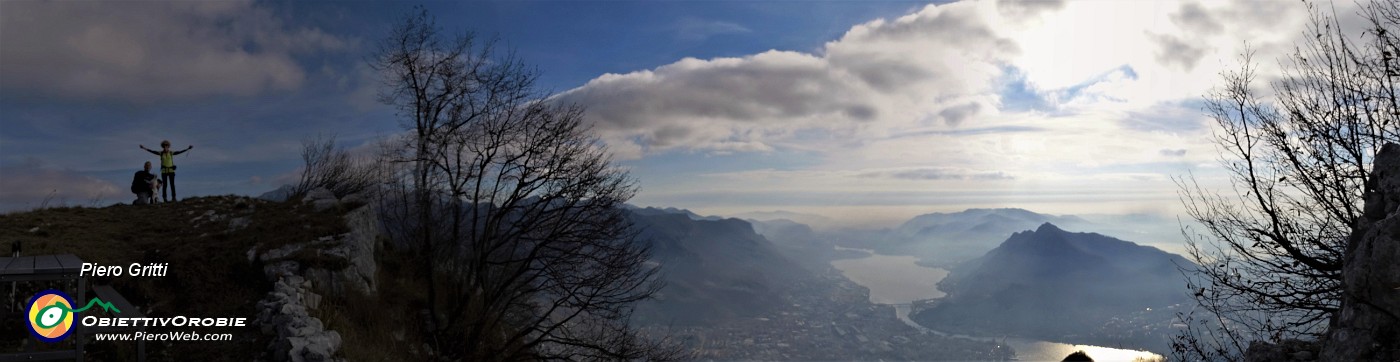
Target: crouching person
143 185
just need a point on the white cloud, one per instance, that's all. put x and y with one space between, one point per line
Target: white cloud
151 50
31 185
945 67
1101 96
938 65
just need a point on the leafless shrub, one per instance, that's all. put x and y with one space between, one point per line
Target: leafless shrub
326 166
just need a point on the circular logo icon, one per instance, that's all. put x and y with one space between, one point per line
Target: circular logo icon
50 315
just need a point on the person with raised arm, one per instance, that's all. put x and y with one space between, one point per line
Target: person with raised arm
167 167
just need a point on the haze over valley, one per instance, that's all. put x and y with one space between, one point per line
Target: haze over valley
776 288
716 180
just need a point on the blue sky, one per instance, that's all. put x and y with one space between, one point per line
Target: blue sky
864 111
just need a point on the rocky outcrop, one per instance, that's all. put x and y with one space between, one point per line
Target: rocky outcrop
321 199
298 337
348 263
335 264
357 249
1291 350
1367 327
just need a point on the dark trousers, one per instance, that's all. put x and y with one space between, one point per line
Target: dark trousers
168 179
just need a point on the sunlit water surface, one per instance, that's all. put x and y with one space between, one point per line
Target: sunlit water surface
899 280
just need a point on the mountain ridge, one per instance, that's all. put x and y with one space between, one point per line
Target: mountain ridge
714 269
945 239
1054 284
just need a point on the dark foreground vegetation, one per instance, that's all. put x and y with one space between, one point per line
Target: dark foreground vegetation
205 240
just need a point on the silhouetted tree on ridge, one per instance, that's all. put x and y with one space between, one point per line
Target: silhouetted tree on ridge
511 208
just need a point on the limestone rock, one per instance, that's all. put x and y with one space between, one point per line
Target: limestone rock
318 194
322 347
1285 351
282 252
356 198
362 244
299 336
1367 327
284 312
357 248
239 223
321 199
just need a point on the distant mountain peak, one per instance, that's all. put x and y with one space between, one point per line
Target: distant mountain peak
279 195
1048 227
652 210
1086 281
994 209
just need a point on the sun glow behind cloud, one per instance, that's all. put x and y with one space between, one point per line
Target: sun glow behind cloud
1069 107
1084 106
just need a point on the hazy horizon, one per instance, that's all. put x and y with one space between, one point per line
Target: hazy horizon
495 213
865 113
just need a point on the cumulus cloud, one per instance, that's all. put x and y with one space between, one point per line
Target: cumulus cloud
954 115
31 184
1194 18
146 51
937 70
1024 8
1178 52
1196 26
938 64
1042 97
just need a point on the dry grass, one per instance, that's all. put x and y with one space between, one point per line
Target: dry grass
385 327
209 273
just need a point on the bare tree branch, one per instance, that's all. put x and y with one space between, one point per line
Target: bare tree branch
1271 252
512 206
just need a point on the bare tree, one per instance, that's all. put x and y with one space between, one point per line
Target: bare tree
1271 252
325 166
511 207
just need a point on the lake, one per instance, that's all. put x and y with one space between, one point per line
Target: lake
892 279
898 280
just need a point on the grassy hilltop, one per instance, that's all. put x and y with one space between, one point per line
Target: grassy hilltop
205 240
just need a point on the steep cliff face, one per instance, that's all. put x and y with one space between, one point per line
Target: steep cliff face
714 270
1367 328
